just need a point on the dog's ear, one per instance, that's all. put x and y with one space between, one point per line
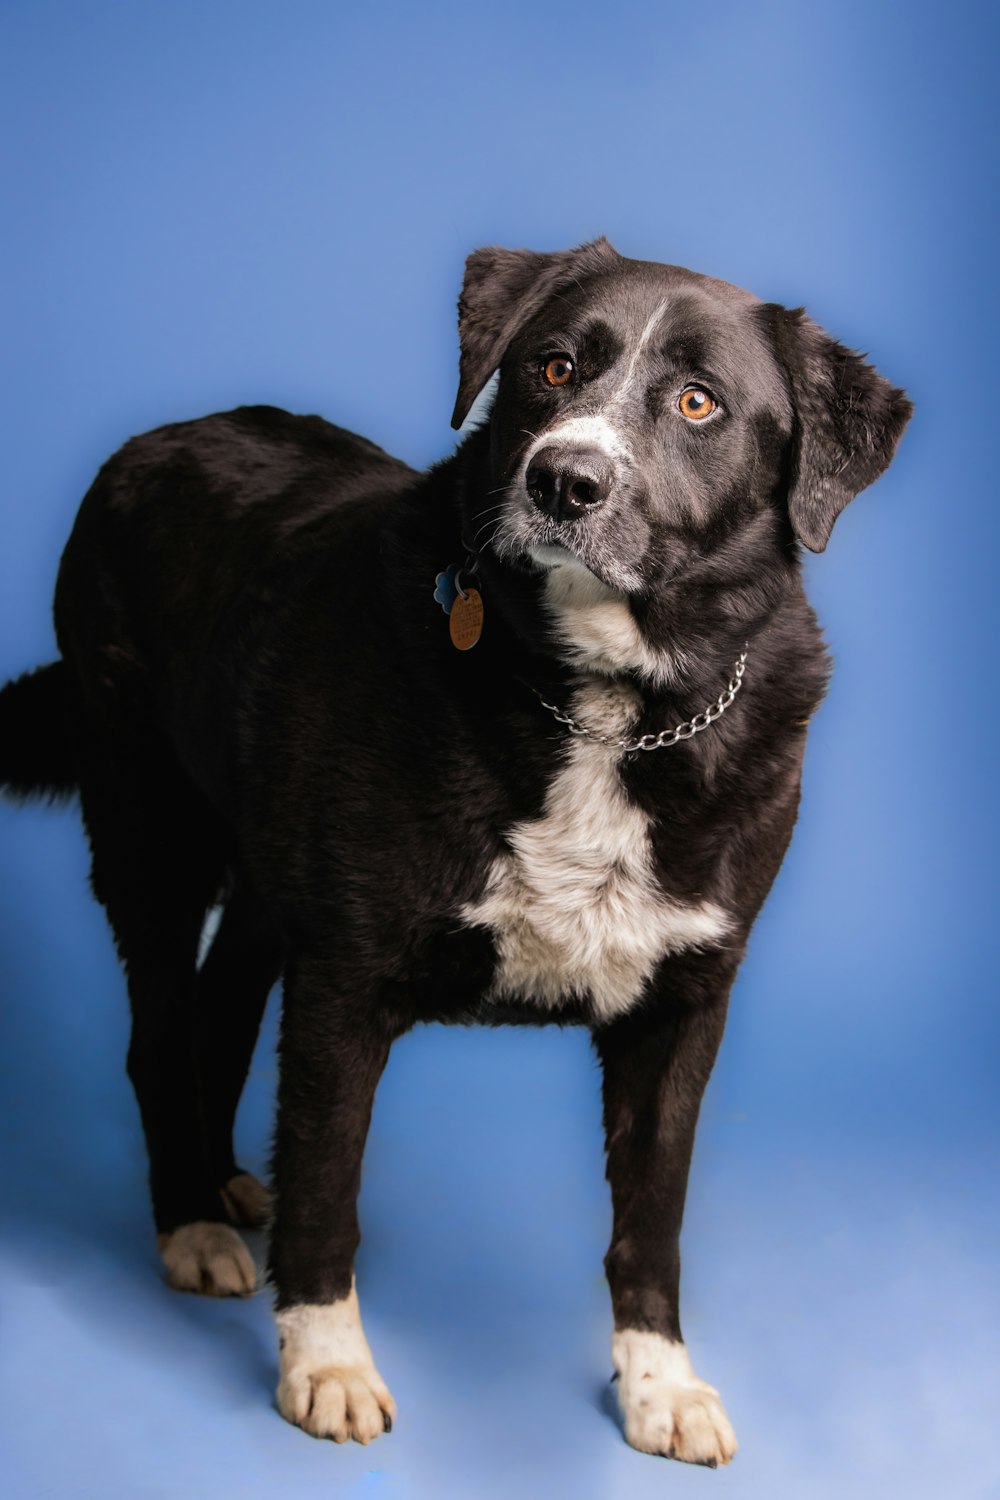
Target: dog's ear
501 291
848 421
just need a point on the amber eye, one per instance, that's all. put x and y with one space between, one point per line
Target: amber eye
559 371
696 404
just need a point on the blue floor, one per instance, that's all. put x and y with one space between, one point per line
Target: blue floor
841 1294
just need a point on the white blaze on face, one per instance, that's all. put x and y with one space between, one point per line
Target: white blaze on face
652 323
594 433
600 430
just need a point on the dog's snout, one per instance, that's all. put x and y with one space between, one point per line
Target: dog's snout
567 483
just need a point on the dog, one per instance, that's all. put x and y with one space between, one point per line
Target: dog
515 740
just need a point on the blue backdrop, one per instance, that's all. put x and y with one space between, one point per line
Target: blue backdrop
215 203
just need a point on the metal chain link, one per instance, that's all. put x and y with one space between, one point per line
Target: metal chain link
666 737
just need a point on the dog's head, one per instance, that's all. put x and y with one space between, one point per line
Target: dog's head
646 415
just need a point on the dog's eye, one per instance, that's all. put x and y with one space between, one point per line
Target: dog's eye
559 371
696 404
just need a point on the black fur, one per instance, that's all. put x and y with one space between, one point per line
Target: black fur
257 691
38 759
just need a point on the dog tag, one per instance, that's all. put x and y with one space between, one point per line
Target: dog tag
465 622
446 587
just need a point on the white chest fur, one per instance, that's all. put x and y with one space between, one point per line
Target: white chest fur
574 907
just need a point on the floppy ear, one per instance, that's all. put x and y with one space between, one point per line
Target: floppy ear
848 421
501 291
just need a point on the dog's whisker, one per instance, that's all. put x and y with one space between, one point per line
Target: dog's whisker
497 528
487 519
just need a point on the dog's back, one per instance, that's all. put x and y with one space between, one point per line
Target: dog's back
185 547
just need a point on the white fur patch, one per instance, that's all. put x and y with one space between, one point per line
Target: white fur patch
209 928
652 323
666 1408
586 432
575 909
329 1384
596 628
208 1258
597 430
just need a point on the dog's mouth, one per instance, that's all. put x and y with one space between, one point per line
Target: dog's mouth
571 504
553 555
524 538
523 534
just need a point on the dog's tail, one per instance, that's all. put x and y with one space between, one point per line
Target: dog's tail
36 750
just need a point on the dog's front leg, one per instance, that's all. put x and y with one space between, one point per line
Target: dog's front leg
656 1063
333 1051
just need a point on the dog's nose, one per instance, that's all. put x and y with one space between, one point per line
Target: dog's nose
567 483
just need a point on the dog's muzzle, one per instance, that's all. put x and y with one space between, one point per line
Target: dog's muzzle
567 484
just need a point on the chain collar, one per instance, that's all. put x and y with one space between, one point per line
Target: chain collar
666 737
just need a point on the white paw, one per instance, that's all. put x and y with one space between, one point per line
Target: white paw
666 1408
337 1401
208 1258
247 1200
329 1384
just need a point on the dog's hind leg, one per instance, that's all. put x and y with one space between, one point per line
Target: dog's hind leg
241 967
158 857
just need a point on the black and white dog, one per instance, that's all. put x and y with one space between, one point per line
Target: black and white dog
261 690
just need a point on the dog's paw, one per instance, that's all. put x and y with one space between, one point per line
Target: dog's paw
247 1200
337 1401
666 1408
329 1384
208 1258
680 1421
